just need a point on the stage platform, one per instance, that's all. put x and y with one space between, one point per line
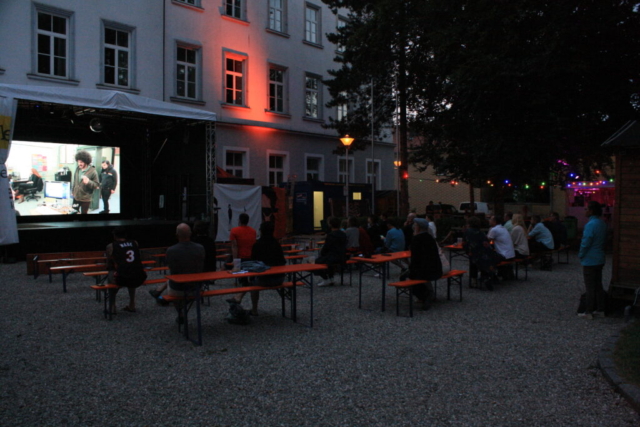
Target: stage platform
43 237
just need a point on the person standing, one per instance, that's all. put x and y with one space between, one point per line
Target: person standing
592 258
125 268
108 184
85 180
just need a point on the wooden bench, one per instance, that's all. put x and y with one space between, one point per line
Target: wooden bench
517 262
404 288
68 269
453 277
184 309
108 314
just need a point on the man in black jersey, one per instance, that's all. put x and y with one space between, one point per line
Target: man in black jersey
125 267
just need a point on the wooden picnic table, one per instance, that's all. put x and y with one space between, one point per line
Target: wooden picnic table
379 264
295 271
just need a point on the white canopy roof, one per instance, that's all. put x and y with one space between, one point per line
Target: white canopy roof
108 99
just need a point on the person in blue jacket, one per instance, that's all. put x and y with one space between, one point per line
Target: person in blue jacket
592 258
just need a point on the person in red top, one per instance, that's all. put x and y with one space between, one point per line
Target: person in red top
242 239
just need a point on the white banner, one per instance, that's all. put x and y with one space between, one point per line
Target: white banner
8 225
232 200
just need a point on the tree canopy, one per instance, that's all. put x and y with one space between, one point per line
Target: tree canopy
494 90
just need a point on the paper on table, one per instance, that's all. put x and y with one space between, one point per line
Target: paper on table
239 272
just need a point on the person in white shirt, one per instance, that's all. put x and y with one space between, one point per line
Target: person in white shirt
503 245
519 237
432 228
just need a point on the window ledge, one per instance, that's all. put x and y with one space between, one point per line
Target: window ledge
118 88
188 6
277 113
316 45
236 20
234 106
187 101
277 33
53 79
312 119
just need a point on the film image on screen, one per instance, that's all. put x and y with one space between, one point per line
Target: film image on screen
49 178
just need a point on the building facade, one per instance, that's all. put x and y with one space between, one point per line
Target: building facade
259 65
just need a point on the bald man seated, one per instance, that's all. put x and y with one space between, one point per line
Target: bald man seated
182 258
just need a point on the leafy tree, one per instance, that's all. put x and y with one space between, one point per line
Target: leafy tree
495 90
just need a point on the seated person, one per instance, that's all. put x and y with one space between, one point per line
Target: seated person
432 227
366 247
125 268
558 230
394 242
503 245
407 230
519 237
508 221
481 256
540 238
268 250
201 236
374 232
184 257
333 251
353 235
425 262
394 239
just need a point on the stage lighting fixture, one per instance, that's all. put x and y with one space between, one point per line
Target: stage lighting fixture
96 125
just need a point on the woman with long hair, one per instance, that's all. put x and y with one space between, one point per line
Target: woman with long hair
519 236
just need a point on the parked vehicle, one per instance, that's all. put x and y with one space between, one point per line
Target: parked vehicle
443 209
480 207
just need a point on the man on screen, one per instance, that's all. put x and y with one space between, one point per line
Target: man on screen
85 180
108 183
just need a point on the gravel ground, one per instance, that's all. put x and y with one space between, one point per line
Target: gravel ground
515 356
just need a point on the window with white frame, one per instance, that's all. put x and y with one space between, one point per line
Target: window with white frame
373 172
314 171
234 80
312 96
277 168
191 2
340 24
278 15
312 23
53 43
117 57
236 163
277 86
233 8
342 109
187 70
343 170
